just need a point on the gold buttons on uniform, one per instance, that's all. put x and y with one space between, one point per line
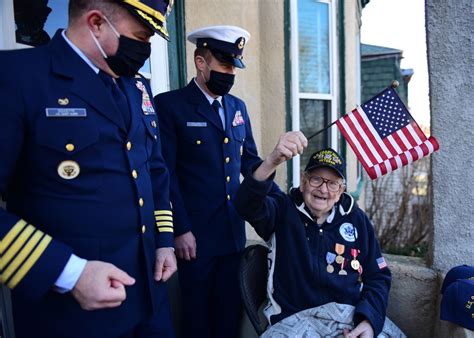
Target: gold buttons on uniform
227 159
70 147
226 140
129 145
153 124
227 178
134 174
143 229
198 142
228 197
141 202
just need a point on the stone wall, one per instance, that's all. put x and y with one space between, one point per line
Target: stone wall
449 30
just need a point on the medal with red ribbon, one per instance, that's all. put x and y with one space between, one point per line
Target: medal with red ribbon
355 263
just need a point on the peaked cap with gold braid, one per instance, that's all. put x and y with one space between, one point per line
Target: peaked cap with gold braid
152 13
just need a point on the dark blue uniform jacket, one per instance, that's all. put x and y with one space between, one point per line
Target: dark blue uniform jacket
205 162
299 248
110 212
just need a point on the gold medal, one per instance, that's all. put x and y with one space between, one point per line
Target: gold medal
339 250
355 264
330 259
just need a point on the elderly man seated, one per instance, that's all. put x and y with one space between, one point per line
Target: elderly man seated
322 245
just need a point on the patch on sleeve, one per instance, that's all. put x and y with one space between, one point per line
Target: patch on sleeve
381 263
348 232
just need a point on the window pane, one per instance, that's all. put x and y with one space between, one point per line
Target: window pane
313 31
314 115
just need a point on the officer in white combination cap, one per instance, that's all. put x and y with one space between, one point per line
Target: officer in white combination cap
225 42
207 145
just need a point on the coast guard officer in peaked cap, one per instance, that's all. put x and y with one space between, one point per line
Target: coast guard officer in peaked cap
209 143
87 235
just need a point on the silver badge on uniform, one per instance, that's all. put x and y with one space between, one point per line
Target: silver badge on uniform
196 124
68 170
63 102
66 112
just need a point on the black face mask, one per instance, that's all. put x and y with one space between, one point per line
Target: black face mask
220 83
130 56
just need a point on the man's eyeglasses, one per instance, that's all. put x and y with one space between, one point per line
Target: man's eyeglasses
317 181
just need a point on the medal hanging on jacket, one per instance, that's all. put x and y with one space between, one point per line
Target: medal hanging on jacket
330 259
355 263
339 250
342 271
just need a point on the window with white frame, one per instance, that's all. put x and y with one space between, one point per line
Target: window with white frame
32 23
313 74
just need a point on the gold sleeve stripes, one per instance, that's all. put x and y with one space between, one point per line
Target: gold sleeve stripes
20 248
164 220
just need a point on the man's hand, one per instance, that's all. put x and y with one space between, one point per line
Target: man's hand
101 285
363 330
185 245
165 264
289 145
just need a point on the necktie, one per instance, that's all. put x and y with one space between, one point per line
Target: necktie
216 105
117 96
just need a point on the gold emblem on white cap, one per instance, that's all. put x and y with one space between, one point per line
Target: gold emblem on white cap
68 170
241 43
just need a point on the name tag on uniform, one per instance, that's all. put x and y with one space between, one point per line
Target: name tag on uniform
196 124
66 112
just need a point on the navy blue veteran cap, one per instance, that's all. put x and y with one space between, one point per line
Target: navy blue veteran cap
152 13
327 158
226 43
457 305
458 272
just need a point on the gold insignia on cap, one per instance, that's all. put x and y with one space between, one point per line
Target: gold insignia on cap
68 170
63 102
241 43
204 44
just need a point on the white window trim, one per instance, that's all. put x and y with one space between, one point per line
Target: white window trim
159 66
7 40
296 95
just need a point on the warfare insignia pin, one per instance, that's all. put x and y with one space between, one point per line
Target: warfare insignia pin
147 106
63 102
68 170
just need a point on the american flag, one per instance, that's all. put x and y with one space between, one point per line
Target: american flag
383 134
381 263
